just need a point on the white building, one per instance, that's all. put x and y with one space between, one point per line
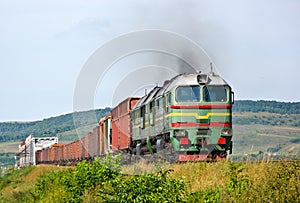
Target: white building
31 144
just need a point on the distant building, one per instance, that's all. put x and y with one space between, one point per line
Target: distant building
27 149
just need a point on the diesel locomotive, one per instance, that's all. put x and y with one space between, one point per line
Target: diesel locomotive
191 112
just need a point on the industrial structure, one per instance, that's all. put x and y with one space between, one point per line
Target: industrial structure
29 147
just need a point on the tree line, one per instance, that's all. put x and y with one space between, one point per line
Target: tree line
16 131
266 106
267 113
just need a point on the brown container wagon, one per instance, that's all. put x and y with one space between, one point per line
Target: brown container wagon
69 152
73 151
65 152
94 144
38 157
45 156
51 155
58 152
77 150
80 150
121 123
85 145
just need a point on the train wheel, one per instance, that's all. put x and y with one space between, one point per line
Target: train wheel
138 150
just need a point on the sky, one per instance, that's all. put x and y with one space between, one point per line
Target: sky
255 46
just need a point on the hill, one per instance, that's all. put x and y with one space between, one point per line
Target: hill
59 125
241 106
267 113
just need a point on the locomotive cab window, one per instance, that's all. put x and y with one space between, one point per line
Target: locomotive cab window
215 94
188 94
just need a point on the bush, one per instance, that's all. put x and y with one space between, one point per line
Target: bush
147 188
96 182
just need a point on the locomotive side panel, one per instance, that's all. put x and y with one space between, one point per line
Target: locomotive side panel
150 119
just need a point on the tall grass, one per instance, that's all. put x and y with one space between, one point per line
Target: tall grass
241 182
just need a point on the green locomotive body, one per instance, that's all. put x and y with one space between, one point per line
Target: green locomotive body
191 112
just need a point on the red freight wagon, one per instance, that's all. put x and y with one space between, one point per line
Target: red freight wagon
74 150
121 123
38 156
70 151
58 150
51 154
92 142
66 155
85 146
95 142
45 156
77 150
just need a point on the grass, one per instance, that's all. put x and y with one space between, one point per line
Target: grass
7 147
21 182
241 182
201 175
211 182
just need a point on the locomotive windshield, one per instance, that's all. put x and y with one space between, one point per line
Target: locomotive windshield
188 94
215 94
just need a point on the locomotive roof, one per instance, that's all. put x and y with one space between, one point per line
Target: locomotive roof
180 80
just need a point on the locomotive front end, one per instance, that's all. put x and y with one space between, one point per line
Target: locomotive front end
200 118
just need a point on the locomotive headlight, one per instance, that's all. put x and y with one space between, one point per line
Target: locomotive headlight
226 131
180 133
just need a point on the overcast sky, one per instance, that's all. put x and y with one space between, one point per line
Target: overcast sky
44 44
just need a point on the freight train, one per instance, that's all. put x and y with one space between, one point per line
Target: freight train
191 114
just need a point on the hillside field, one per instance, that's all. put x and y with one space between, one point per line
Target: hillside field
256 138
